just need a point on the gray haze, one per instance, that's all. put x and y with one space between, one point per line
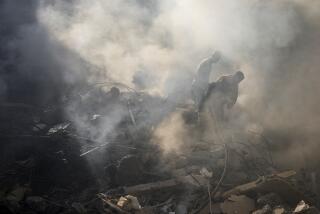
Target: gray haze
275 43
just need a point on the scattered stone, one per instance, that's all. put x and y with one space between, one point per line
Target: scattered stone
129 203
303 208
265 210
279 210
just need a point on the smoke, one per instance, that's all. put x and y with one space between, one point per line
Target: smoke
172 134
169 38
34 67
275 43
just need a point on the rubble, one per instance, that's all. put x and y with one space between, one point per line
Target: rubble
272 183
302 207
49 167
129 203
279 210
264 210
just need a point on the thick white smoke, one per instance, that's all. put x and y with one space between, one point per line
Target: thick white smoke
166 37
275 43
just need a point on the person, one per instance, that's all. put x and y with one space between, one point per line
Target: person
222 95
114 93
201 80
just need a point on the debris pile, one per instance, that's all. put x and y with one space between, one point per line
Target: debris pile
49 166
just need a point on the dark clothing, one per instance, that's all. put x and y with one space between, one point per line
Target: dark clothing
220 95
228 87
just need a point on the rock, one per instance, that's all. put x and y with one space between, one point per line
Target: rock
279 210
58 128
303 208
265 210
129 203
205 173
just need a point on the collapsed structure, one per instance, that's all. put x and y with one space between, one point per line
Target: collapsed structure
81 164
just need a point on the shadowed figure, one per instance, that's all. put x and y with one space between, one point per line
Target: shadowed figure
221 95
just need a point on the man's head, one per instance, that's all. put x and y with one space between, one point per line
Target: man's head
215 57
115 92
238 77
